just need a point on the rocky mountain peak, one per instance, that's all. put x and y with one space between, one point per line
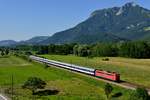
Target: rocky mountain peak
130 4
116 10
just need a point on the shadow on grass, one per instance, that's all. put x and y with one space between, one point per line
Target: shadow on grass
122 81
117 94
46 92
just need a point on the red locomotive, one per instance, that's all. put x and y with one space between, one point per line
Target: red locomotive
113 76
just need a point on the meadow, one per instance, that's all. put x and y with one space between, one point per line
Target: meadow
132 70
69 86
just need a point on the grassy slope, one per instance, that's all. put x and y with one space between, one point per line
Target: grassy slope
70 85
132 70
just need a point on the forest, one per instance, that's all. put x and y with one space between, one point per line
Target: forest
136 49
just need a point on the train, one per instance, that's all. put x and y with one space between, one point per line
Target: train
112 76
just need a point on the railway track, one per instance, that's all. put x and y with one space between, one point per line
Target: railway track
123 84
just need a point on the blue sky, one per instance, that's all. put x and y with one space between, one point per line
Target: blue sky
23 19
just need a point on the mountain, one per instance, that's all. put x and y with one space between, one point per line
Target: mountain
129 22
37 39
7 43
34 40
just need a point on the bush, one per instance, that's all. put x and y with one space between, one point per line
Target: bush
34 83
108 90
105 59
28 53
46 66
139 94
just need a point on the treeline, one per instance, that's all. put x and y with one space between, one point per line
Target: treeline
125 49
4 51
138 49
64 49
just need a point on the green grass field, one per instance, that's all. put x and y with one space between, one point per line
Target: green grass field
131 70
71 86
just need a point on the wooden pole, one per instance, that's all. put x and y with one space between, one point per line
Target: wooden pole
12 86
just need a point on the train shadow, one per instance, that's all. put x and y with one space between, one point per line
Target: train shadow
46 92
121 81
117 95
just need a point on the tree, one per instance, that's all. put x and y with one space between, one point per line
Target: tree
105 49
51 49
108 90
136 49
43 50
34 83
7 51
81 50
28 53
75 50
139 94
2 53
142 93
